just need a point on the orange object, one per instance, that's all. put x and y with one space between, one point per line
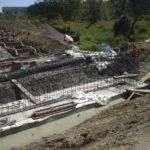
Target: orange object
1 32
135 52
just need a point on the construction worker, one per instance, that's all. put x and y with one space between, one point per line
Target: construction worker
2 33
135 51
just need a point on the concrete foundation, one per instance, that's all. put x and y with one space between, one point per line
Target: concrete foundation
51 127
17 134
24 120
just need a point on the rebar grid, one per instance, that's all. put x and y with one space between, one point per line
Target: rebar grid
52 86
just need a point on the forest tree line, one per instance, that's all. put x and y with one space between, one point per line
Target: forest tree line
89 10
114 22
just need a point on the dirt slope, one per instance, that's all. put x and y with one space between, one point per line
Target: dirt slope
44 37
125 126
131 64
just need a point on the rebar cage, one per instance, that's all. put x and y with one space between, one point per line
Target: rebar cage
30 85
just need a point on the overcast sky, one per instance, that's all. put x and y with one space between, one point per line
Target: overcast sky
6 3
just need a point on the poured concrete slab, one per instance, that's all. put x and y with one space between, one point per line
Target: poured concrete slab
48 129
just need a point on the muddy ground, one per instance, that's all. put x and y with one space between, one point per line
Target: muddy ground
125 126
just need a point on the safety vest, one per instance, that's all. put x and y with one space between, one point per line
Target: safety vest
135 52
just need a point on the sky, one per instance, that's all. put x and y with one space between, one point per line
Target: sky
6 3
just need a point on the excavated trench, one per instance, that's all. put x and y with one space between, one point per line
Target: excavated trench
44 78
50 81
39 78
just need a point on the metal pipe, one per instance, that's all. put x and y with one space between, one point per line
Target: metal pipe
55 109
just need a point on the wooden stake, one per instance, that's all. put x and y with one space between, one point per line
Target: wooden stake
25 91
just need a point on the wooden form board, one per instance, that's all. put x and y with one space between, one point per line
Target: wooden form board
145 77
142 80
25 91
139 90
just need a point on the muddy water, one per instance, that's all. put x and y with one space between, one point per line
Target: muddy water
50 128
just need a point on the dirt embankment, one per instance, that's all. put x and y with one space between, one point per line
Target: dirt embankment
130 63
44 37
125 126
144 59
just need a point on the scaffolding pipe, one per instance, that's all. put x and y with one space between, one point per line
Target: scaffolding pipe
41 68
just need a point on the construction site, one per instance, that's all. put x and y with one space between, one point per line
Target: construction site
54 95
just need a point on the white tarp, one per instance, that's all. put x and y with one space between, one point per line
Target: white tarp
73 54
147 41
91 97
68 38
75 51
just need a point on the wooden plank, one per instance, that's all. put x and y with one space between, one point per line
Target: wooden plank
126 76
25 91
139 90
139 94
145 77
17 61
142 80
132 94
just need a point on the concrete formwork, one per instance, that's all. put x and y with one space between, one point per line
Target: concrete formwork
54 88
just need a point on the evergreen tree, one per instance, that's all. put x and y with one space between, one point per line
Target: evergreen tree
93 7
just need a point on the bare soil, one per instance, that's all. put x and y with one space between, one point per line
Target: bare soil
44 37
130 63
125 126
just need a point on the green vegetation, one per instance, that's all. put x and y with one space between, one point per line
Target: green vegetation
103 31
142 30
10 17
114 22
91 36
123 26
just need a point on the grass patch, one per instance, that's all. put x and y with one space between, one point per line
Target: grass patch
142 31
91 36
